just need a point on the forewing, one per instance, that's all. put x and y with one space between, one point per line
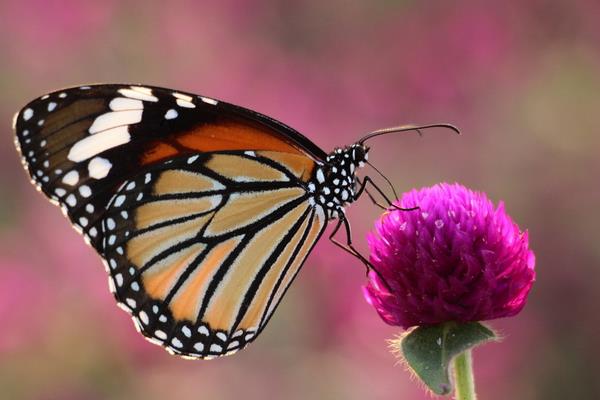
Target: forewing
80 144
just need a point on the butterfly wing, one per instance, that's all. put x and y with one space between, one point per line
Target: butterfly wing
198 207
200 254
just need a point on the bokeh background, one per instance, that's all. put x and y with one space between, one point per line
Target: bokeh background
522 81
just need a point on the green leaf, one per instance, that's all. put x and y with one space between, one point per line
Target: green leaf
428 350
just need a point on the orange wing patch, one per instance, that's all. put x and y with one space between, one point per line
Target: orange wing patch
243 209
157 152
144 247
162 211
160 279
236 136
255 311
302 167
242 169
186 302
311 238
179 181
226 301
224 136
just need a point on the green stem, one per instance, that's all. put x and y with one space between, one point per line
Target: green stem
463 377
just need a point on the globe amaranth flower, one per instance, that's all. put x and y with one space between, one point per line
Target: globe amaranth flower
455 258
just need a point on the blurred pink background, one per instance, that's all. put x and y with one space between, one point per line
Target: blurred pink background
522 81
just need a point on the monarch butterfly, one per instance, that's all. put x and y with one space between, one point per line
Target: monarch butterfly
202 211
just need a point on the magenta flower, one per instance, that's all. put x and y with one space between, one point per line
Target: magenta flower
456 258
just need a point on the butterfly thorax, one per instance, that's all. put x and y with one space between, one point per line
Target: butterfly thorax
334 184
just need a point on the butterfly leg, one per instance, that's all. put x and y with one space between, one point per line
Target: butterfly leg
363 188
349 247
371 197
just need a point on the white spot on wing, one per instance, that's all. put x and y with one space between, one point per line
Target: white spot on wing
125 103
27 114
71 200
119 200
85 191
71 178
171 114
209 100
203 330
233 344
110 223
144 317
96 144
182 96
51 106
160 334
115 119
139 93
131 302
320 176
222 336
99 167
183 100
185 104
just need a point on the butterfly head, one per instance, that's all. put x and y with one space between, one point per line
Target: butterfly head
334 184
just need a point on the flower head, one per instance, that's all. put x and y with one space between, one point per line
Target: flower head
455 258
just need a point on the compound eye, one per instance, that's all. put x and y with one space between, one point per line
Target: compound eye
359 153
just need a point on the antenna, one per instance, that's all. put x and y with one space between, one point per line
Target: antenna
406 128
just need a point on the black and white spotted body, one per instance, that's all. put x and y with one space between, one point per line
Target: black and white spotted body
335 185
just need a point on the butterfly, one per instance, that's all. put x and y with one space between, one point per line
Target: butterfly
202 211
